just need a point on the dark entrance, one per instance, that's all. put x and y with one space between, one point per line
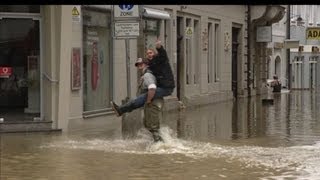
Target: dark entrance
20 53
235 44
179 55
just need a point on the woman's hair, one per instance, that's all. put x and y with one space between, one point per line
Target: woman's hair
153 50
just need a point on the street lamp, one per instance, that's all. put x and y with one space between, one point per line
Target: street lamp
299 19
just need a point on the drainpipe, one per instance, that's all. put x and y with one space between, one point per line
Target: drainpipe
248 51
288 50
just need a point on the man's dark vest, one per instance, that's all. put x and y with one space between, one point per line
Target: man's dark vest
141 90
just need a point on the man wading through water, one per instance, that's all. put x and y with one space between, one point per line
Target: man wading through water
159 65
153 110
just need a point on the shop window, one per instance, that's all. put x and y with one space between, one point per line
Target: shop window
216 50
96 60
188 55
213 49
210 53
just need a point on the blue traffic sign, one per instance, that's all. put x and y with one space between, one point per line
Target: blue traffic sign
126 7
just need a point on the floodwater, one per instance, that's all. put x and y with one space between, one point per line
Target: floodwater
233 140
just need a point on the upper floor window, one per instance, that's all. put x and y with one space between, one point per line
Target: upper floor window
20 8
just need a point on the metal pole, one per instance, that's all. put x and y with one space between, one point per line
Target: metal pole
288 50
127 46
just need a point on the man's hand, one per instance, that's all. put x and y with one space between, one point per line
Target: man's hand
158 44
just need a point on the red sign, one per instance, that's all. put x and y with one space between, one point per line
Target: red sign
5 72
76 69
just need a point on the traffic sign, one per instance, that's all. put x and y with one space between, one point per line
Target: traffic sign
126 11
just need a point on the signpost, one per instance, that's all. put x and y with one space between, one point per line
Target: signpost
126 26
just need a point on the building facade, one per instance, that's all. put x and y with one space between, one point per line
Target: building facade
66 65
277 55
305 59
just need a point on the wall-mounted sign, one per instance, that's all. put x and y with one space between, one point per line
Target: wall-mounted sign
151 25
5 72
313 33
264 34
189 31
126 11
126 29
227 41
76 14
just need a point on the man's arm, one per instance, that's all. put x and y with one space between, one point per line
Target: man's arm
150 81
150 95
162 56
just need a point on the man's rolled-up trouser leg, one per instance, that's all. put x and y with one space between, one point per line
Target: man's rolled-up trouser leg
153 116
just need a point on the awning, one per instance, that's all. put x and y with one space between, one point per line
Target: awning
155 13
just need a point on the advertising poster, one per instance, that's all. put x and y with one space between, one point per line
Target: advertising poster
75 69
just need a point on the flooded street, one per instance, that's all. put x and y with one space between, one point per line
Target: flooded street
232 140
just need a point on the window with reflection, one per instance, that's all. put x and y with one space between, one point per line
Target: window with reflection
96 59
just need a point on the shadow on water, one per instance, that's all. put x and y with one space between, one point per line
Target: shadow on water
243 139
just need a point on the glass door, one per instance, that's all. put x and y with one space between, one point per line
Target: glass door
19 68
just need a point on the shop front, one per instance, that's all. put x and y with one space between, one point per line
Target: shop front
20 63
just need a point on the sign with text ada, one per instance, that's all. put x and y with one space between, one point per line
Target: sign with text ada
126 11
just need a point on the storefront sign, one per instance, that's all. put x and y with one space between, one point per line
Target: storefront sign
76 14
5 72
75 69
126 11
313 33
126 29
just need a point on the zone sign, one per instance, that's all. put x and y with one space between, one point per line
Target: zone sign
126 11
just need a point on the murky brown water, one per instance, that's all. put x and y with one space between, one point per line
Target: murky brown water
240 140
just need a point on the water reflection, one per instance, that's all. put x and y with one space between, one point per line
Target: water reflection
243 139
290 120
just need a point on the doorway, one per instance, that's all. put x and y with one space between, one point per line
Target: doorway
20 58
277 67
235 44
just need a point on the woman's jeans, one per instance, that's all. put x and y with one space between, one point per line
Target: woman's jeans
141 99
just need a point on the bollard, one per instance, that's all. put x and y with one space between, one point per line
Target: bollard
131 122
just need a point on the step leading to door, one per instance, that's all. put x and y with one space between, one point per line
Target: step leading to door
26 126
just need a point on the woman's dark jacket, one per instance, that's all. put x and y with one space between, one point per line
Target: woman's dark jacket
161 69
